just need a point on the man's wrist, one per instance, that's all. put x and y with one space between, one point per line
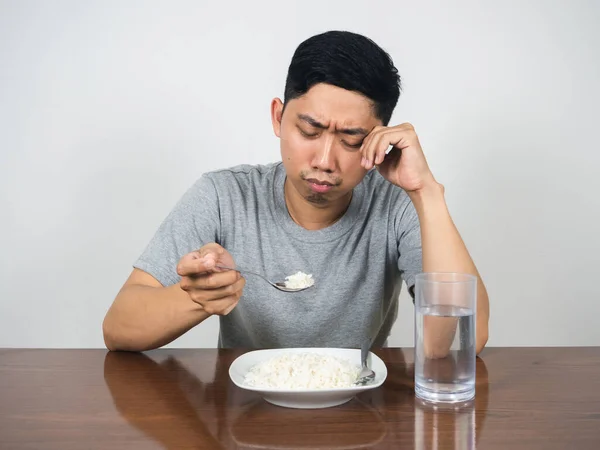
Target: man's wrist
431 193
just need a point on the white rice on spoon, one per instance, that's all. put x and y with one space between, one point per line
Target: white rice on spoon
299 280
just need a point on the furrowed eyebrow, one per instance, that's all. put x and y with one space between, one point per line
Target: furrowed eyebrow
354 131
349 131
312 122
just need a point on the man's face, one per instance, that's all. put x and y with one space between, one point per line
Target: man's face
321 134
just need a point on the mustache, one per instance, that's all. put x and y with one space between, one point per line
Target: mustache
306 175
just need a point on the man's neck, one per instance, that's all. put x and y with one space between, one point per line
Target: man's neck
312 216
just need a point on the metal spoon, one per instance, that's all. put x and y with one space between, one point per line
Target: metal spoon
366 375
277 285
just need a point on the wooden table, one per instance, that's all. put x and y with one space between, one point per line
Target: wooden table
527 398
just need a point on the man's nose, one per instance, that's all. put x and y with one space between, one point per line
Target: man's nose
324 158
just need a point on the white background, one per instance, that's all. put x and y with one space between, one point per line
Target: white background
110 110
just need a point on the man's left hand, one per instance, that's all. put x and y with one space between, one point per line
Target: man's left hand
405 165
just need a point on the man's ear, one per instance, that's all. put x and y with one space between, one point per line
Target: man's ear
276 115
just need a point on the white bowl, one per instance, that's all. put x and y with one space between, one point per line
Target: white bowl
306 398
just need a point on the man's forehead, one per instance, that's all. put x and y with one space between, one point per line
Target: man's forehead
331 103
340 116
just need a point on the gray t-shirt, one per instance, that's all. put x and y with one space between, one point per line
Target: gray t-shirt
358 263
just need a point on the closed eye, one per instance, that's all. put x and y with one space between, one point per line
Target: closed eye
306 134
355 146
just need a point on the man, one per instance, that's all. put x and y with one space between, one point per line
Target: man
338 206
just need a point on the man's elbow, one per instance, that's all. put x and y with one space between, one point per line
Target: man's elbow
115 341
481 341
110 340
126 341
111 346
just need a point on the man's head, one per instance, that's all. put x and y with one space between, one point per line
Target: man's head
340 85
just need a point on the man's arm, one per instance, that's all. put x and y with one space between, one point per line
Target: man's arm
444 249
174 286
146 315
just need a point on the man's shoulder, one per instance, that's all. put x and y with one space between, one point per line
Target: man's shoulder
242 173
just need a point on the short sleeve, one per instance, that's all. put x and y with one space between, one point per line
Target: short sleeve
192 223
410 253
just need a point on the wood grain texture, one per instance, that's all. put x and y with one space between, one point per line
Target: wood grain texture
527 398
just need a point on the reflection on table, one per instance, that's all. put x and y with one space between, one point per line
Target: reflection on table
172 405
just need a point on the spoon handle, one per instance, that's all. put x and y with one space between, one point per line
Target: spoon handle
364 352
240 269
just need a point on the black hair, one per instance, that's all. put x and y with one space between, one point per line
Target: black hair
349 61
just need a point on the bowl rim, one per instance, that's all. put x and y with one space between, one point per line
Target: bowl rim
341 390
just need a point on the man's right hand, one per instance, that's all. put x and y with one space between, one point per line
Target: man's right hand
217 291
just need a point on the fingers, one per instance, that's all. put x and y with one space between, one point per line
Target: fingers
222 307
374 153
380 139
211 249
217 291
200 295
220 300
201 261
367 148
209 281
194 264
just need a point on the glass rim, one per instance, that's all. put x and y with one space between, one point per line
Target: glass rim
429 277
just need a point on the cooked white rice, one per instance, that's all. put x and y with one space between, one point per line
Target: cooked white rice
299 280
303 371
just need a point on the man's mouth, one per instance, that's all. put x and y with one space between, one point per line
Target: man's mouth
320 186
320 182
